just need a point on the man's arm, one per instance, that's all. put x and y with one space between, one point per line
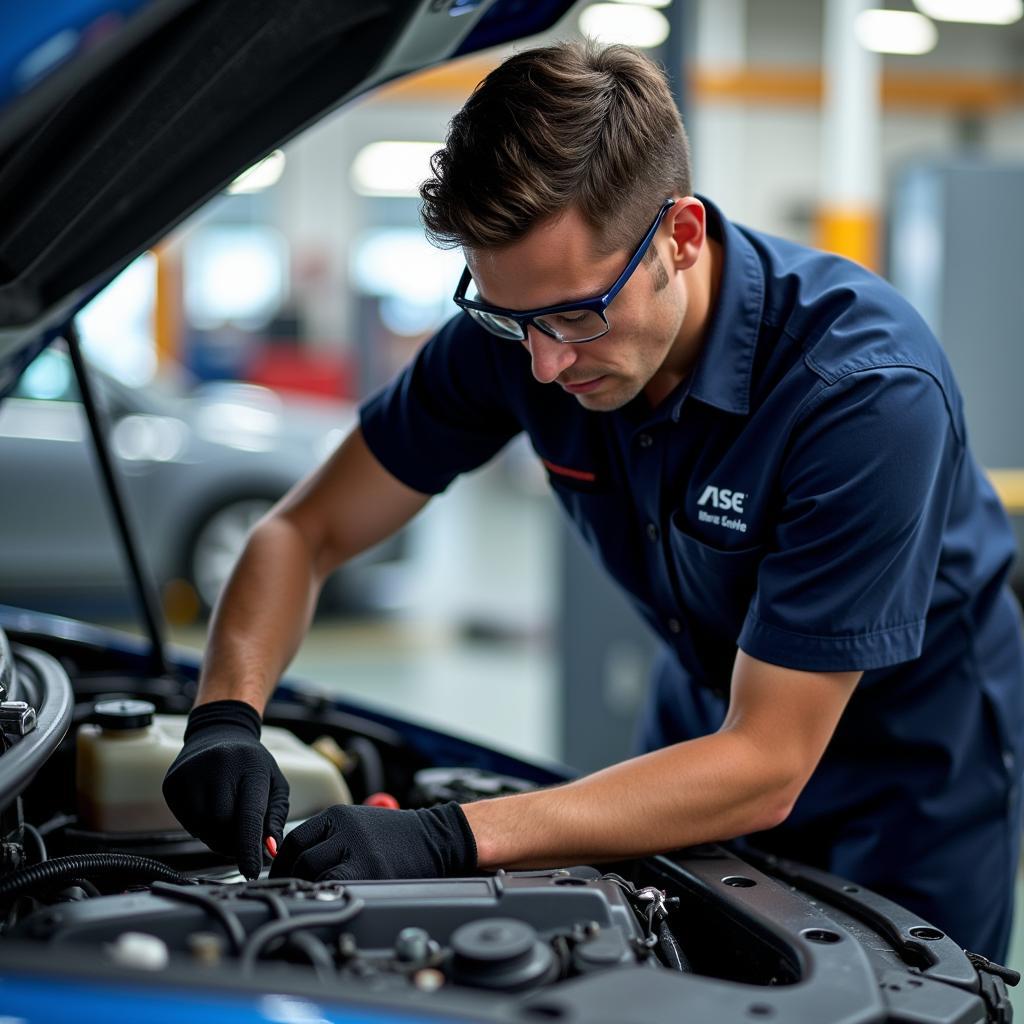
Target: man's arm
346 506
743 778
224 786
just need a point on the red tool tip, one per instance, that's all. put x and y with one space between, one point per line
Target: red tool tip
271 844
382 800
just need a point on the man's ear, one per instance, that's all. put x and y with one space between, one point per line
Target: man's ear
687 220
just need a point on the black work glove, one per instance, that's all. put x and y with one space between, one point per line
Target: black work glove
225 787
356 842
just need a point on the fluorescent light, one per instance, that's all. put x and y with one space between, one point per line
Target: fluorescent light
392 168
234 273
630 23
980 12
646 3
895 32
260 176
402 263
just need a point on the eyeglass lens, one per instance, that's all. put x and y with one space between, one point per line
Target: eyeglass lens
502 326
571 325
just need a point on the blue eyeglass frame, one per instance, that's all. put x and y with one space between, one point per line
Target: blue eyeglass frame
597 305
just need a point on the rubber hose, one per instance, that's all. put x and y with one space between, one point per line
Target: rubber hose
89 865
266 933
317 953
671 948
216 909
41 852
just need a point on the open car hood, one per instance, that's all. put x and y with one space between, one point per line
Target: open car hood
118 118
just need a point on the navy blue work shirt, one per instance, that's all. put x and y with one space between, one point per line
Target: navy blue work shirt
806 494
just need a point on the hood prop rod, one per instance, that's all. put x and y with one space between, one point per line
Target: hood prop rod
145 591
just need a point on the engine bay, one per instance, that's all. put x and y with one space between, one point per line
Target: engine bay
85 893
508 932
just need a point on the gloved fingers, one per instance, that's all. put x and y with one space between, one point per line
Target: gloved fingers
322 857
311 832
318 860
251 800
341 872
180 798
203 809
277 808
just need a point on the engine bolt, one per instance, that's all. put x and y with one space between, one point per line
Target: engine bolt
207 948
412 945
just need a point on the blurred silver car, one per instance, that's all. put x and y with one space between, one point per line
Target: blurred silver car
198 469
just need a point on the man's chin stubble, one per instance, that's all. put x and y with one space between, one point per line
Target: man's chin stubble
603 402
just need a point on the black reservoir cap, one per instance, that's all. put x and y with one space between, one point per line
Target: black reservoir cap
124 714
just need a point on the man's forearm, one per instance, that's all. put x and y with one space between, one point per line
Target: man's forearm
712 788
261 616
346 506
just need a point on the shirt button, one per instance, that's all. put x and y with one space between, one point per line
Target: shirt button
645 440
652 531
675 626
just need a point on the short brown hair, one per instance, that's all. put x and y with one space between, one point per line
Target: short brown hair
573 124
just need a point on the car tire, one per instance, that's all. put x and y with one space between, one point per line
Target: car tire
217 542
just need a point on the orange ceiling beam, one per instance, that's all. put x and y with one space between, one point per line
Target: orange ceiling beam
758 86
900 89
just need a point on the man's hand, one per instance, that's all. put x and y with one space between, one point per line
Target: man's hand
355 842
225 787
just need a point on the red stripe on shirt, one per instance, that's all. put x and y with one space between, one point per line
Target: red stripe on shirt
575 474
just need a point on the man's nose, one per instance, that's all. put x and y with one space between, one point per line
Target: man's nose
548 356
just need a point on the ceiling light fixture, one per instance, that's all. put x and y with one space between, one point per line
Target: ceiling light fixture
631 23
895 32
392 168
978 12
645 3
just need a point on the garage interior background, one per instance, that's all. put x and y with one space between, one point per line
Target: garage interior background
312 279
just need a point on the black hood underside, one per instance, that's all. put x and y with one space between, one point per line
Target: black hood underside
152 136
124 148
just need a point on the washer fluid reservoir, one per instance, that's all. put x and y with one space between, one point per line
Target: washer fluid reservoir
123 754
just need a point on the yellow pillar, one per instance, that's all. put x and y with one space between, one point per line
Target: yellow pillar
167 314
848 218
850 231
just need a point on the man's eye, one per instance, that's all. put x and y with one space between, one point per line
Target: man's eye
572 318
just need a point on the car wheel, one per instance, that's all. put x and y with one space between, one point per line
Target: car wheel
217 544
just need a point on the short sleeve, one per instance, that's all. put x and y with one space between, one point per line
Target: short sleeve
865 491
446 413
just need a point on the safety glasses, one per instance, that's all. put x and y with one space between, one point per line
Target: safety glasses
570 322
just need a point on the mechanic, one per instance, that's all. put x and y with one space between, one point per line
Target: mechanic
765 447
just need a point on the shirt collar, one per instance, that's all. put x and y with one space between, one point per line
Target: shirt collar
722 376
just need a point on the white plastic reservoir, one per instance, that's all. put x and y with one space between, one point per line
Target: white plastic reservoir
122 759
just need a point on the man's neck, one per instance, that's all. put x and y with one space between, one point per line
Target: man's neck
703 281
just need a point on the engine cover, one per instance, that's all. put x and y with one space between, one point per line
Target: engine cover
508 932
